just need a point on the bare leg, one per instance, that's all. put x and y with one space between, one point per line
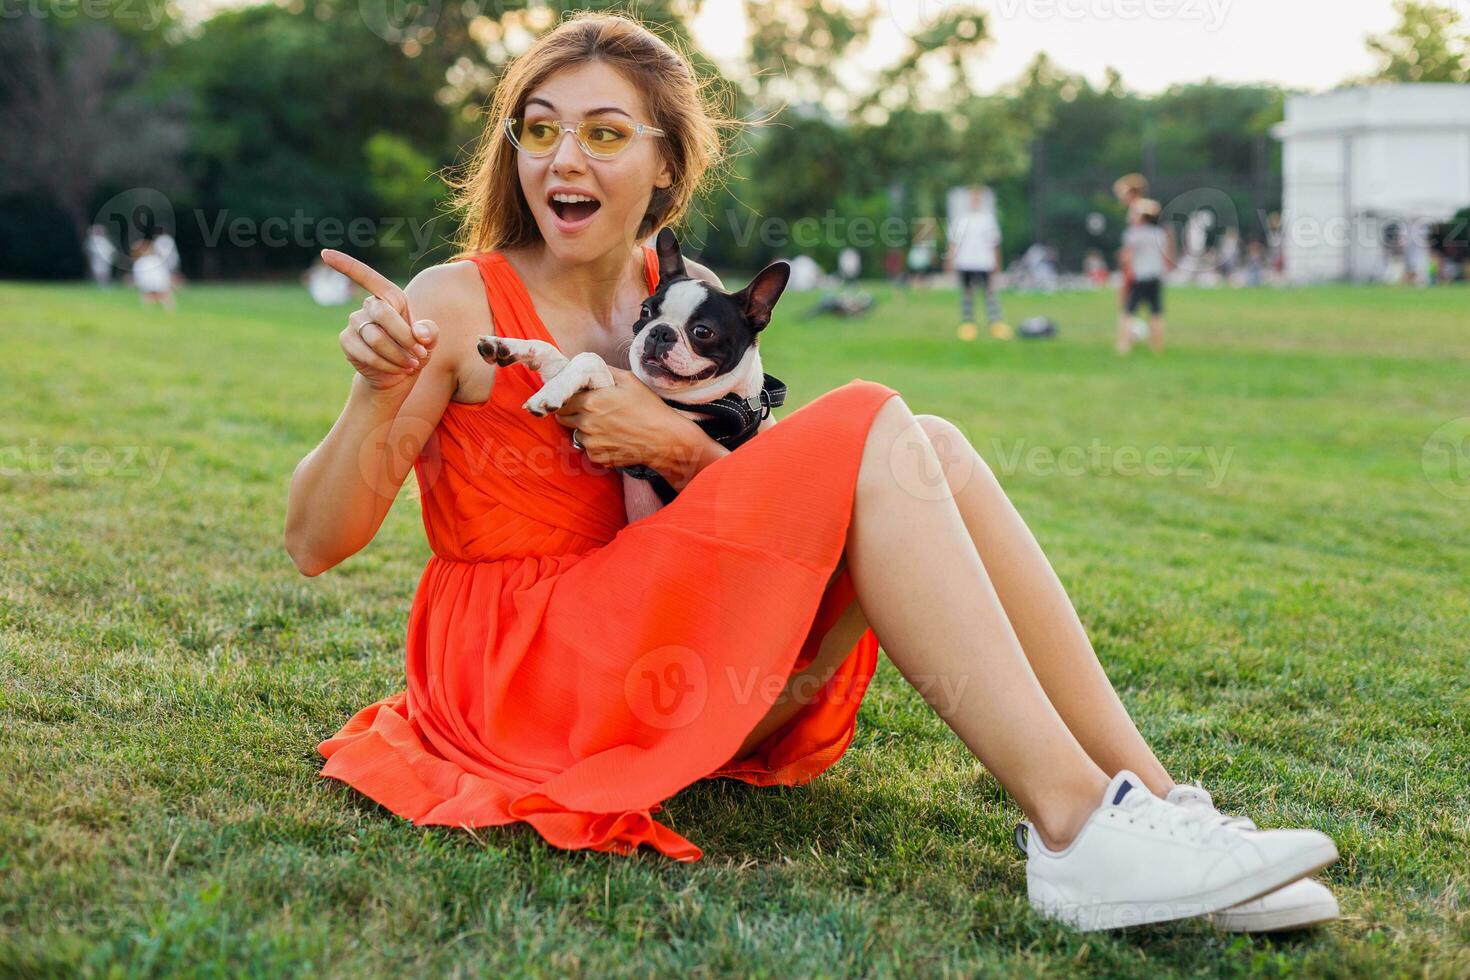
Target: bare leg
1124 342
922 586
1156 332
1042 616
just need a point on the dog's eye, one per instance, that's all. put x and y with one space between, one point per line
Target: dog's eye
701 332
644 312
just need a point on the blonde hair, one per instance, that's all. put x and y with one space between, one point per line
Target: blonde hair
493 208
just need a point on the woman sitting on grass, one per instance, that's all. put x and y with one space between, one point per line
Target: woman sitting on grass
571 671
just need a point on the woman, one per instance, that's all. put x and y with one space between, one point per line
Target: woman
571 672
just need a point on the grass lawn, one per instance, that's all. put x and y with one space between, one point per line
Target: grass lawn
1272 565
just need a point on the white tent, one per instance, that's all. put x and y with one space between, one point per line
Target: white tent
1358 160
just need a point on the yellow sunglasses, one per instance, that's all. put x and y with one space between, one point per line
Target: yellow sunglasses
600 138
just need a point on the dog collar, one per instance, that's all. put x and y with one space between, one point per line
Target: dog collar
731 421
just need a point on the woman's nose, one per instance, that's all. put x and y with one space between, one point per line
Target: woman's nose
568 158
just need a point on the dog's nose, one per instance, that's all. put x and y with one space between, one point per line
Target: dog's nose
661 338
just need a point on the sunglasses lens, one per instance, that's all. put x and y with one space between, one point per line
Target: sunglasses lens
604 138
534 137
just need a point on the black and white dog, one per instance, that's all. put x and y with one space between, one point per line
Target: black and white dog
693 344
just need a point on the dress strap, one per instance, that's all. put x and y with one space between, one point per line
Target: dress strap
510 304
650 267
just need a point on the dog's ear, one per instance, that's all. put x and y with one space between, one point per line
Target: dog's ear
670 259
759 298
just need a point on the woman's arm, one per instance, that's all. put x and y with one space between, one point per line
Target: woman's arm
342 490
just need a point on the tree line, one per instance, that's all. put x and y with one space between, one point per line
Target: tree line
262 134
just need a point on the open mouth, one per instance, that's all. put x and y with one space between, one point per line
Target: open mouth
657 369
572 210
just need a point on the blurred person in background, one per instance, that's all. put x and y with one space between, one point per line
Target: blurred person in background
974 251
922 253
100 255
1129 189
327 286
1095 268
1149 251
166 249
151 274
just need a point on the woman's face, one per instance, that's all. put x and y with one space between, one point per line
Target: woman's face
620 187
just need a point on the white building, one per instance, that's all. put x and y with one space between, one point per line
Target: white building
1358 160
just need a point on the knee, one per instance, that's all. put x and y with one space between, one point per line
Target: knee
941 431
961 461
950 443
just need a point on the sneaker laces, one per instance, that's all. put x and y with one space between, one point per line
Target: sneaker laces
1190 823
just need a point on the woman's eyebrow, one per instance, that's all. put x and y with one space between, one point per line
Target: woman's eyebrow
599 111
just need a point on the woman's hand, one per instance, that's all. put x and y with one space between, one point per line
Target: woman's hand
378 341
629 425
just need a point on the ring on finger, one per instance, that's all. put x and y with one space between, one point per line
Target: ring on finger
360 337
577 441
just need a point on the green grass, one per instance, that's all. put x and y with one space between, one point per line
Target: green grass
1292 631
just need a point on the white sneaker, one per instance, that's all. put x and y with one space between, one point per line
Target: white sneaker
1139 859
1300 904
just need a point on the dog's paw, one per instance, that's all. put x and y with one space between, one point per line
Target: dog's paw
493 348
539 404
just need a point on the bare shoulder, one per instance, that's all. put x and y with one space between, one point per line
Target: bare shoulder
697 271
453 296
448 292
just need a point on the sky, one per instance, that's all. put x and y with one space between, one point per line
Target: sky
1306 44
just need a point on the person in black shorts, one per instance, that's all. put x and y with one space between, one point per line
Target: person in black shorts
1148 250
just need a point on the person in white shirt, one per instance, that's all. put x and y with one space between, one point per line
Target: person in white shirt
151 274
327 286
168 251
1148 250
100 254
974 250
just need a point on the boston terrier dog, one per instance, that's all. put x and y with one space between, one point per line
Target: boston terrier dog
693 344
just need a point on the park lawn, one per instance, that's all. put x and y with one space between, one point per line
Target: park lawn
1272 567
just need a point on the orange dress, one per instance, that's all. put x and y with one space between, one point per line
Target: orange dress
570 670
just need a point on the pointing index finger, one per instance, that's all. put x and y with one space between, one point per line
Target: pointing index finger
368 278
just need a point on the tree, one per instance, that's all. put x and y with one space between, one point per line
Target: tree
77 119
1427 45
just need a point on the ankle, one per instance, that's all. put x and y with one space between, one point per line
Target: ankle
1062 820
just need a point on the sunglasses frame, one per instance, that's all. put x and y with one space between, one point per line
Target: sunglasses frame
569 126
